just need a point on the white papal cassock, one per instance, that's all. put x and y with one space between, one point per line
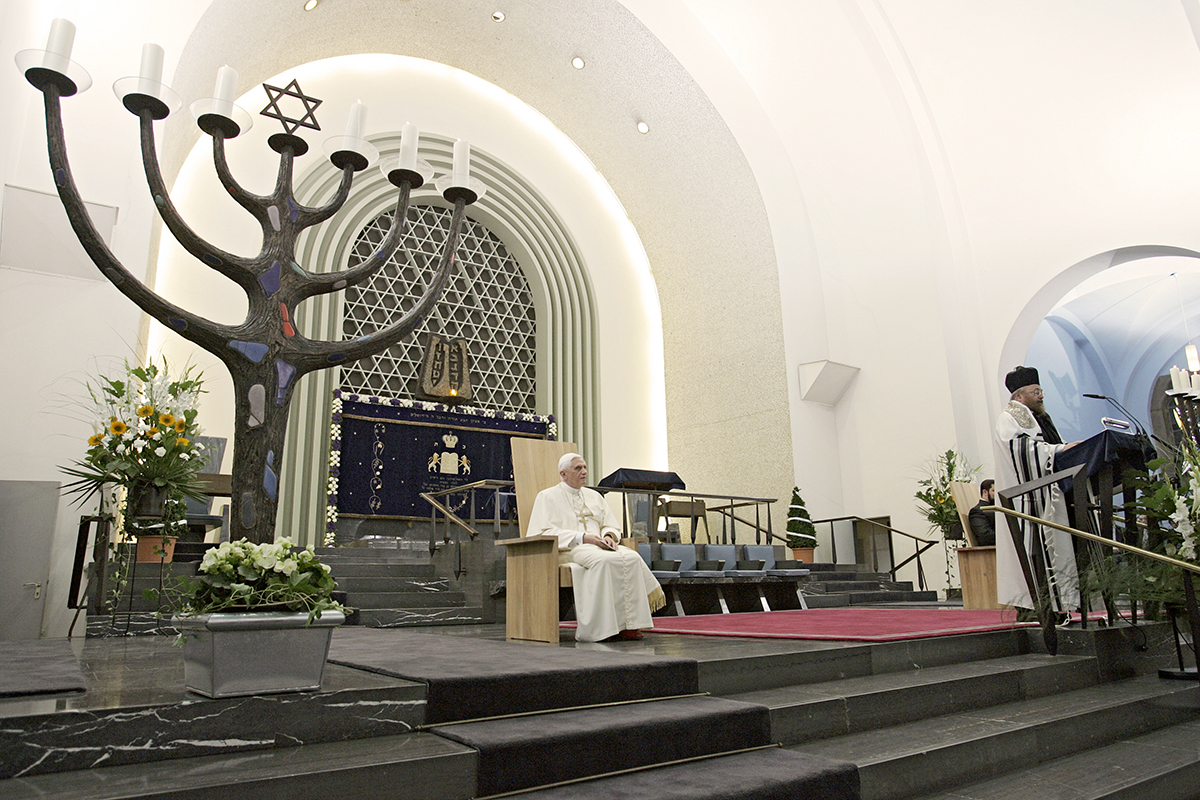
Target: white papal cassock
1024 456
614 590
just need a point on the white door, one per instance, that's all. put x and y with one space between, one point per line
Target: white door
28 512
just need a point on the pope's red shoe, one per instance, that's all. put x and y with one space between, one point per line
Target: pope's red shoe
630 635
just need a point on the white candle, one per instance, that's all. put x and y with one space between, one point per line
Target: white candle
1176 378
462 163
358 119
408 146
1196 381
223 93
58 46
150 75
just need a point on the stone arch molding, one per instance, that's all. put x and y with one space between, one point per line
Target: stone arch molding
536 236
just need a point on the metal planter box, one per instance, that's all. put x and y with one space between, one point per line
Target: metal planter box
255 652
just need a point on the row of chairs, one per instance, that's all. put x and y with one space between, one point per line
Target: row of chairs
755 564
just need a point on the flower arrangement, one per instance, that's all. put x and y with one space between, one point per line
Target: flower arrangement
800 529
934 500
242 576
144 437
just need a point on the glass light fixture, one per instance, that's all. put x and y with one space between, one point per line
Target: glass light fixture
577 63
643 126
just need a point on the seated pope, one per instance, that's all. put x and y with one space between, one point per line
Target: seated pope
615 592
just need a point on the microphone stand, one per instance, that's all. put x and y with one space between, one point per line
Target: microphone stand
1140 431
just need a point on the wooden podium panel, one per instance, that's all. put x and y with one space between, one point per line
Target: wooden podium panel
531 613
977 568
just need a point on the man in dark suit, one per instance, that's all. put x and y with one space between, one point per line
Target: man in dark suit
983 523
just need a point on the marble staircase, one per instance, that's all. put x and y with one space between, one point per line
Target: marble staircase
968 717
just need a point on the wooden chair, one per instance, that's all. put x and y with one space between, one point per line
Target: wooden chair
976 564
534 575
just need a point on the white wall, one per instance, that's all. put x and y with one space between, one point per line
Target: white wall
59 330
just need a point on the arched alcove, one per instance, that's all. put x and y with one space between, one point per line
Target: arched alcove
1111 324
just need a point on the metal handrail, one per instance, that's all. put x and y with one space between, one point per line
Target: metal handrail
733 502
917 545
433 498
1075 474
1094 538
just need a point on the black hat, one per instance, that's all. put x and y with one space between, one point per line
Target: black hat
1021 376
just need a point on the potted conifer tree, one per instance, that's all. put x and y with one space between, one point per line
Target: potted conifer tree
802 534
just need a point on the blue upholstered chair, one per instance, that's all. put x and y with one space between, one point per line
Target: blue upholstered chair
661 574
728 554
685 554
766 554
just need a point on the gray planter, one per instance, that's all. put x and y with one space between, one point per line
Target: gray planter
255 652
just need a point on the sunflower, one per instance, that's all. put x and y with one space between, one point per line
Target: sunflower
95 439
145 411
181 442
166 420
116 427
180 425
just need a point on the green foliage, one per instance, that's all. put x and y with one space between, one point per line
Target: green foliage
934 500
240 576
801 531
1168 515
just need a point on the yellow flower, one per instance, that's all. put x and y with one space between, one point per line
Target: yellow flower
182 442
166 420
116 427
95 440
145 411
180 425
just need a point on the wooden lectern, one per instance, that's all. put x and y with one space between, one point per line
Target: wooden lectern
531 604
976 564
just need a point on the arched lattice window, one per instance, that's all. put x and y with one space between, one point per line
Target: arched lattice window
487 302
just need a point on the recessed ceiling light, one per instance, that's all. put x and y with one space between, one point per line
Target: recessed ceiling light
577 63
310 5
497 16
643 127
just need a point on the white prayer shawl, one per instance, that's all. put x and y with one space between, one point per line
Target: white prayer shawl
614 590
1022 456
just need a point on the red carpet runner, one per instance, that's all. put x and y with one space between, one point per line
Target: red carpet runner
845 624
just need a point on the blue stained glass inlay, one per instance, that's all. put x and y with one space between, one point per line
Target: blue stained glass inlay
270 279
255 351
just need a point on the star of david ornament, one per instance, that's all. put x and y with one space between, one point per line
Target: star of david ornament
274 95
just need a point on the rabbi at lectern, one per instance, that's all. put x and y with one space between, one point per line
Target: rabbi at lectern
615 592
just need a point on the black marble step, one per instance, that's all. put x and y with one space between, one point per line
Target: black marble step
103 727
830 587
419 766
369 555
733 674
365 569
820 710
920 757
521 752
391 583
409 599
1163 764
871 598
763 774
415 617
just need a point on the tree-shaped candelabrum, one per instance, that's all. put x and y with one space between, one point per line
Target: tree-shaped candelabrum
265 353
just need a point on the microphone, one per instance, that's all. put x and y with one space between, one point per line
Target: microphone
1139 430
